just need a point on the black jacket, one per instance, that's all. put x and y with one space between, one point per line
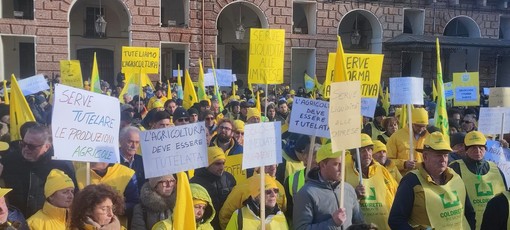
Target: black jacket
137 166
495 216
27 179
218 187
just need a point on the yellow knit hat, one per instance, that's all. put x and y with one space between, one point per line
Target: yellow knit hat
255 184
379 146
239 125
474 138
252 112
420 116
57 180
199 201
326 152
4 191
366 140
215 153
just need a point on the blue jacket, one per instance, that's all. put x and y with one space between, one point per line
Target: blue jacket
137 166
16 216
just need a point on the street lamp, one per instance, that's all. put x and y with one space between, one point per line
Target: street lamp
355 36
100 24
240 29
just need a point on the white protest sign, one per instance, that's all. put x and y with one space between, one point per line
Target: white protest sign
368 105
173 149
176 72
224 77
490 121
83 129
448 90
500 156
208 79
33 84
262 144
406 90
344 120
309 117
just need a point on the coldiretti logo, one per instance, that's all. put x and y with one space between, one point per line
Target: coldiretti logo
372 194
450 200
484 189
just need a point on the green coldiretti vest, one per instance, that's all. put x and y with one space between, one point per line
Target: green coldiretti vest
244 218
296 181
445 203
481 188
375 132
377 202
507 195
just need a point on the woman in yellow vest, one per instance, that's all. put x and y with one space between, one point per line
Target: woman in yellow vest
379 154
248 217
96 207
482 178
377 190
433 195
59 193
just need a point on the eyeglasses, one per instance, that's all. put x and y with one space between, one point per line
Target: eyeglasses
209 118
274 190
167 183
239 133
107 209
23 144
225 128
183 120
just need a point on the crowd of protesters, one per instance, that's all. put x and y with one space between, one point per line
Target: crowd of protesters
447 184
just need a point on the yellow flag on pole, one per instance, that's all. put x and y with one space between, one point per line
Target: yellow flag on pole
95 83
309 83
6 93
184 212
216 87
434 91
180 94
340 73
441 116
134 85
386 101
202 95
19 112
190 96
168 90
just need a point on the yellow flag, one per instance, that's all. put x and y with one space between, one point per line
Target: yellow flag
190 96
257 103
216 87
340 73
180 94
134 85
184 212
434 91
95 83
386 101
19 110
202 95
168 90
6 93
441 116
309 83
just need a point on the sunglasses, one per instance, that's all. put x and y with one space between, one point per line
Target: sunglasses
23 144
274 190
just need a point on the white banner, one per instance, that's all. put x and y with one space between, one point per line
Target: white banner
173 149
33 84
83 129
262 144
406 90
309 117
490 121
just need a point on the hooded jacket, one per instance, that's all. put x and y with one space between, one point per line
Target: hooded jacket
317 199
151 209
199 192
49 217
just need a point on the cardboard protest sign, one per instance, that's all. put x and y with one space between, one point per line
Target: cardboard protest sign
309 117
448 90
344 120
490 121
173 149
406 90
499 96
267 52
83 130
34 84
140 60
466 86
262 144
70 73
367 69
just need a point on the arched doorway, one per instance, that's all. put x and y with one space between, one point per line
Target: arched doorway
361 32
84 41
232 49
462 59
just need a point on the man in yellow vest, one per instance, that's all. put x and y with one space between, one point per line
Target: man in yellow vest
398 144
433 195
496 215
482 178
374 128
377 189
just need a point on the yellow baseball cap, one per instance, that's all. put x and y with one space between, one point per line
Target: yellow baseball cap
4 191
215 153
474 138
420 116
326 152
379 146
366 140
436 141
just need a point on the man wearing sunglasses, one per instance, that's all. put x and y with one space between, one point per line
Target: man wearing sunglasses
26 169
180 116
